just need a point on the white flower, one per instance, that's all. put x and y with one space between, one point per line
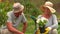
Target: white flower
38 20
42 19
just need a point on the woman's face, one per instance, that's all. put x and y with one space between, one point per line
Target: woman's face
46 11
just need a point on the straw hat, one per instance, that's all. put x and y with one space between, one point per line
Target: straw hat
51 9
17 7
48 3
43 7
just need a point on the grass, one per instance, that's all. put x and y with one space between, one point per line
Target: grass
59 29
31 27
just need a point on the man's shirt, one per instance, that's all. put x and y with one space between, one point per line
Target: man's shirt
15 20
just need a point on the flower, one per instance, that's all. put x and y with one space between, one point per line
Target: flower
38 21
42 21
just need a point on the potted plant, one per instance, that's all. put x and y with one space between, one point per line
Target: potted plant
41 24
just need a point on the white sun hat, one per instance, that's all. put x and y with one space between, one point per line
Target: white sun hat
51 9
18 6
48 3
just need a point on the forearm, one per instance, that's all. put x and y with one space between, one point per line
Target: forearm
54 22
24 27
54 26
12 29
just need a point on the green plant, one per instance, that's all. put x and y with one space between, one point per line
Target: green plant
4 8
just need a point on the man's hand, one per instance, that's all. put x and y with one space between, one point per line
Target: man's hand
19 33
12 29
22 33
24 27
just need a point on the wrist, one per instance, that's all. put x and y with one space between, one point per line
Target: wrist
50 28
23 31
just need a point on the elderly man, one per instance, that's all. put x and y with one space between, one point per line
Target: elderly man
15 17
54 31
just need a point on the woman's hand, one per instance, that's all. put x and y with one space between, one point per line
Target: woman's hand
48 29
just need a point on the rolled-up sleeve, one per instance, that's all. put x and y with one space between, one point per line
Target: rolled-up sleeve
24 18
55 22
9 18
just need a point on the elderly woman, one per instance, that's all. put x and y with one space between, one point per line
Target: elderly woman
52 23
15 17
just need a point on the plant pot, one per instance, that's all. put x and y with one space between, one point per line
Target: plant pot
42 29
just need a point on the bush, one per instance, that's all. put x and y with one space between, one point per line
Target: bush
4 8
30 9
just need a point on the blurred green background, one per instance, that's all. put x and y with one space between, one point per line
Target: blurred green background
32 7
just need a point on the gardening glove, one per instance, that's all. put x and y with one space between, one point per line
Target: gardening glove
48 29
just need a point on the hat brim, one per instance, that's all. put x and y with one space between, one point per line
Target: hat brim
21 8
51 9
